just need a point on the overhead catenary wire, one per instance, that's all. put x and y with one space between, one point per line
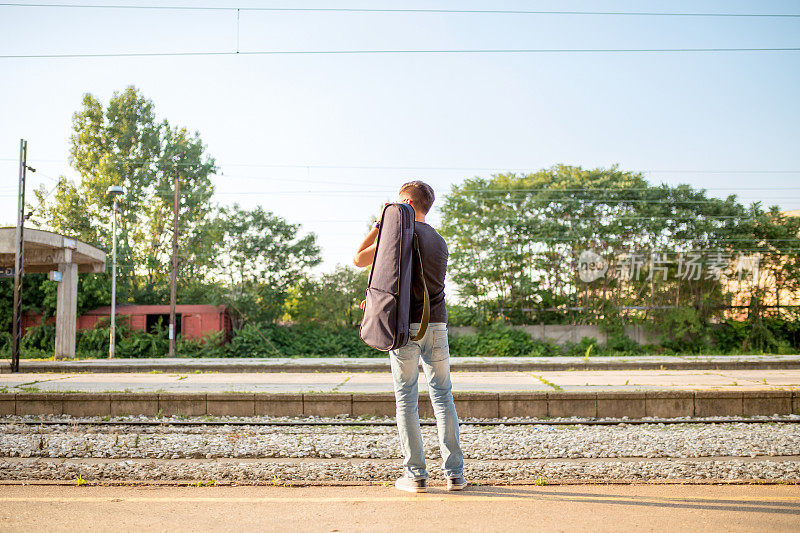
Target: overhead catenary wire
474 51
435 167
759 244
328 192
678 245
704 218
728 254
383 192
42 201
502 252
399 10
464 187
499 191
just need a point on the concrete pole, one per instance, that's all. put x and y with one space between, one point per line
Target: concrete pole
66 308
113 330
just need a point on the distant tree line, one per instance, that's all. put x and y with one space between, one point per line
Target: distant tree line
669 257
252 260
562 245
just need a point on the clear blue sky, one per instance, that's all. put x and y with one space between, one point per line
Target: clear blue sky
648 112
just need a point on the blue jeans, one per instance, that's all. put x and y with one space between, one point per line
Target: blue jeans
435 353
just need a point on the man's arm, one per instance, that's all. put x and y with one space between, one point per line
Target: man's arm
366 252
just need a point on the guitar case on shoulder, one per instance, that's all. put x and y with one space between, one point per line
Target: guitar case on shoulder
387 312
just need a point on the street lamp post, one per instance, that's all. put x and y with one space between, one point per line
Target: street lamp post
115 191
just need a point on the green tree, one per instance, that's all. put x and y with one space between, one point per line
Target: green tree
124 144
32 301
769 295
516 240
260 256
332 298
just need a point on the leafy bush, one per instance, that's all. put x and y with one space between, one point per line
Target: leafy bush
142 344
40 339
308 340
682 330
5 343
129 342
773 335
545 349
495 339
586 346
211 345
617 342
250 341
94 342
501 340
622 344
462 315
729 336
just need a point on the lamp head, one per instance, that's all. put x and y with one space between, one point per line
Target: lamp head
115 191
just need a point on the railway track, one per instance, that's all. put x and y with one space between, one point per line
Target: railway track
493 422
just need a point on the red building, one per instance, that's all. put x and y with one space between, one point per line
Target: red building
191 321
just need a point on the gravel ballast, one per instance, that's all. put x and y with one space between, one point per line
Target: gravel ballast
724 451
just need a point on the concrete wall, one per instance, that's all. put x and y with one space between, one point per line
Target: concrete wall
564 333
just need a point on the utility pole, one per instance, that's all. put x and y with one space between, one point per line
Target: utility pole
19 255
173 289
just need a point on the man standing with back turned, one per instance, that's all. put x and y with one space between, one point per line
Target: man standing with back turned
432 348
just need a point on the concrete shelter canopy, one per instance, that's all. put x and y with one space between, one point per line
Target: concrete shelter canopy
46 251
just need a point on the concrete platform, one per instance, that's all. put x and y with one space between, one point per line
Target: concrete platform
589 507
374 382
378 364
635 394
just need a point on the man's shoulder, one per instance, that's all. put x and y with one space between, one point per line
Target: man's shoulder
426 230
431 242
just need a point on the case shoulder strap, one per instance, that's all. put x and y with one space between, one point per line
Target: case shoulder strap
426 307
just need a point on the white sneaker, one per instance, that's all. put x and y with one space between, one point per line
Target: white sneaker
411 485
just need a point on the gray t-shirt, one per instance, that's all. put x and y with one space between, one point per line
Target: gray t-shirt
434 263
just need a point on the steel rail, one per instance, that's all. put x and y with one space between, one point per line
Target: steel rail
532 422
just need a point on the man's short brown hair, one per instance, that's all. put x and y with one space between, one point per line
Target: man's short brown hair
420 193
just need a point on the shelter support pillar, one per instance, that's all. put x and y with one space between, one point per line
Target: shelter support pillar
66 311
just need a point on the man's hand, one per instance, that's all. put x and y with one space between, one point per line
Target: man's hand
366 252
